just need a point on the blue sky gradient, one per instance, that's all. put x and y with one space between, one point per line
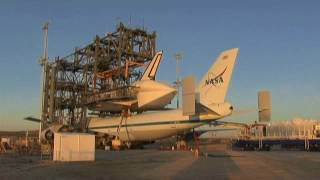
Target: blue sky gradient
279 47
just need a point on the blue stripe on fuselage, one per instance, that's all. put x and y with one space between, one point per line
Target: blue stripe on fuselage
148 124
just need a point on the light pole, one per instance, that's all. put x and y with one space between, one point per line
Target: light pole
43 63
178 58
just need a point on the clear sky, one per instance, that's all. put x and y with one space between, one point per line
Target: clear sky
279 45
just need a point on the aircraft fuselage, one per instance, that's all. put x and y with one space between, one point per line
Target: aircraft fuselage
150 126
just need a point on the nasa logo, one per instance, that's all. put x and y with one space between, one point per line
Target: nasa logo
215 80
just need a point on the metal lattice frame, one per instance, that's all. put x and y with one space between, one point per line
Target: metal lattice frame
109 63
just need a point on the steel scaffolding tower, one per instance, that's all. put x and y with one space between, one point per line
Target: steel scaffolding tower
104 69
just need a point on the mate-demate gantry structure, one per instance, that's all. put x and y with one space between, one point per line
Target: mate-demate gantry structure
104 69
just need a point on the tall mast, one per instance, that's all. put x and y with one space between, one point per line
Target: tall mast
43 63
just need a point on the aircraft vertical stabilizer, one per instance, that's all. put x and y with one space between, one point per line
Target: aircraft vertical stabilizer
214 85
264 105
188 96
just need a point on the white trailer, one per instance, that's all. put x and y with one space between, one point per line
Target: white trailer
74 147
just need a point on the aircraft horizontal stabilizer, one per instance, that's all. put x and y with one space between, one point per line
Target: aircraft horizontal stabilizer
32 119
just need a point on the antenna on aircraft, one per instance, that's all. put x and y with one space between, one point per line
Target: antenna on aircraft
178 58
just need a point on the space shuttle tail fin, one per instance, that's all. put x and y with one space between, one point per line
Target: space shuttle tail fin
152 68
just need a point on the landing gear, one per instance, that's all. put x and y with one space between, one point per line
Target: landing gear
128 144
195 139
181 145
116 144
196 143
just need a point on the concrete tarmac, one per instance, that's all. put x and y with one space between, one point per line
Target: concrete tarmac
155 164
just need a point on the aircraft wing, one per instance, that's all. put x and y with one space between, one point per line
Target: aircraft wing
228 124
32 119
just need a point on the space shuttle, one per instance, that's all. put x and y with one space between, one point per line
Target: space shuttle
148 94
201 105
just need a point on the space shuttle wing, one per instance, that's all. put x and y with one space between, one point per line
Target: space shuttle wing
125 103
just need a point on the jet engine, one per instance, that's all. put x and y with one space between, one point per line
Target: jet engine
48 133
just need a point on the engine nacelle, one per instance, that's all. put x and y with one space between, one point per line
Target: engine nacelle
48 133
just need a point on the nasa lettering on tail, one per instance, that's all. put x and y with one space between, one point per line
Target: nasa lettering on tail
215 80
